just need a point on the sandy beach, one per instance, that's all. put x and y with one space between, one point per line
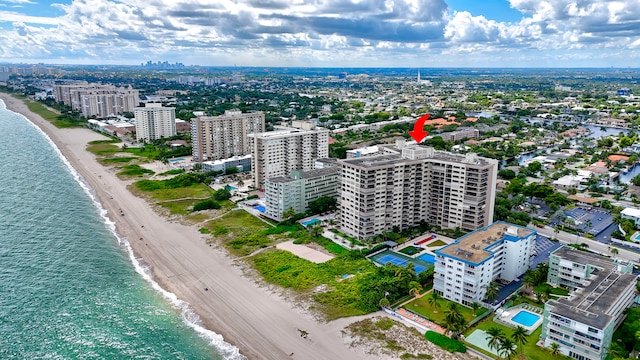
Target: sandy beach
260 323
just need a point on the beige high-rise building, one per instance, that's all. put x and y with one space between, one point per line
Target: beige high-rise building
225 136
96 99
155 122
276 153
422 184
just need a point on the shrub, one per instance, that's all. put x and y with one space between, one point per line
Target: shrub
451 345
252 197
206 205
222 194
385 323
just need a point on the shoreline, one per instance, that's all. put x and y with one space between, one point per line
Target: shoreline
261 324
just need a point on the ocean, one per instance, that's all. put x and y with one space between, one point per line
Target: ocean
70 288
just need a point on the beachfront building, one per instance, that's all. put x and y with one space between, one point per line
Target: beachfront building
418 184
297 190
97 99
225 136
278 152
465 268
153 122
460 134
240 163
584 322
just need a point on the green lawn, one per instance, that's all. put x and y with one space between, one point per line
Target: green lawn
115 160
240 232
103 147
410 250
195 191
532 351
54 118
421 306
436 243
133 170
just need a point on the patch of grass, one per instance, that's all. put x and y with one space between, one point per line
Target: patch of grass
103 147
421 306
420 356
134 170
330 246
436 243
240 232
451 345
60 121
204 231
194 192
115 160
385 323
173 172
410 250
178 207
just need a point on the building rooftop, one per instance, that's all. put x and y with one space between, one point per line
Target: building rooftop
591 304
472 248
285 131
415 153
305 175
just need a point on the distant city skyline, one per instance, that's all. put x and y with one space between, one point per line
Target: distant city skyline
323 33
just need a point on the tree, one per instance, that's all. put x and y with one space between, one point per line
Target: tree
288 214
519 336
493 290
414 289
222 194
315 231
506 348
555 349
453 319
495 337
475 306
433 300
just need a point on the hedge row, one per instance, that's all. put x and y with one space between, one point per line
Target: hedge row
451 345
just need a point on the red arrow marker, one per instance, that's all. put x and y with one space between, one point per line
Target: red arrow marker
418 134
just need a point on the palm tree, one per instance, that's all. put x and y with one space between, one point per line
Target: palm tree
555 349
614 251
520 337
433 299
495 337
316 231
493 290
588 225
506 348
453 319
414 289
475 306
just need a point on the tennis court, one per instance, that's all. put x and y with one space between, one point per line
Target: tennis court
392 257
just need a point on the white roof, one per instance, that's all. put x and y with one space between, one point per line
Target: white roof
631 212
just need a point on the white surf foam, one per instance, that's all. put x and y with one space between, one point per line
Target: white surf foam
189 316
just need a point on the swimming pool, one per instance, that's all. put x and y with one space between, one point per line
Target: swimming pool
230 188
261 208
525 318
310 222
428 258
176 160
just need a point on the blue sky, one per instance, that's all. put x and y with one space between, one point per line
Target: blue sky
376 33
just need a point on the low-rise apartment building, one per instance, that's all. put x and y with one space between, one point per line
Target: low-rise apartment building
297 190
419 184
584 322
465 268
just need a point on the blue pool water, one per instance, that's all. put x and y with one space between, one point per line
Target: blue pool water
525 318
176 160
261 208
428 258
231 188
310 222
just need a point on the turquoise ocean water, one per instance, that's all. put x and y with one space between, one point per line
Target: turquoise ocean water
69 287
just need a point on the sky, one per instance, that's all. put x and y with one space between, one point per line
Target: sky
323 33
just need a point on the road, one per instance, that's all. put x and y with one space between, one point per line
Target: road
567 238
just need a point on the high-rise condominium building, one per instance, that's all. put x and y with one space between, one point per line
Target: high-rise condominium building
154 122
401 190
583 323
225 136
465 268
96 99
276 153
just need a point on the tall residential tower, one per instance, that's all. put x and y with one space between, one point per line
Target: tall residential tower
225 136
154 122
